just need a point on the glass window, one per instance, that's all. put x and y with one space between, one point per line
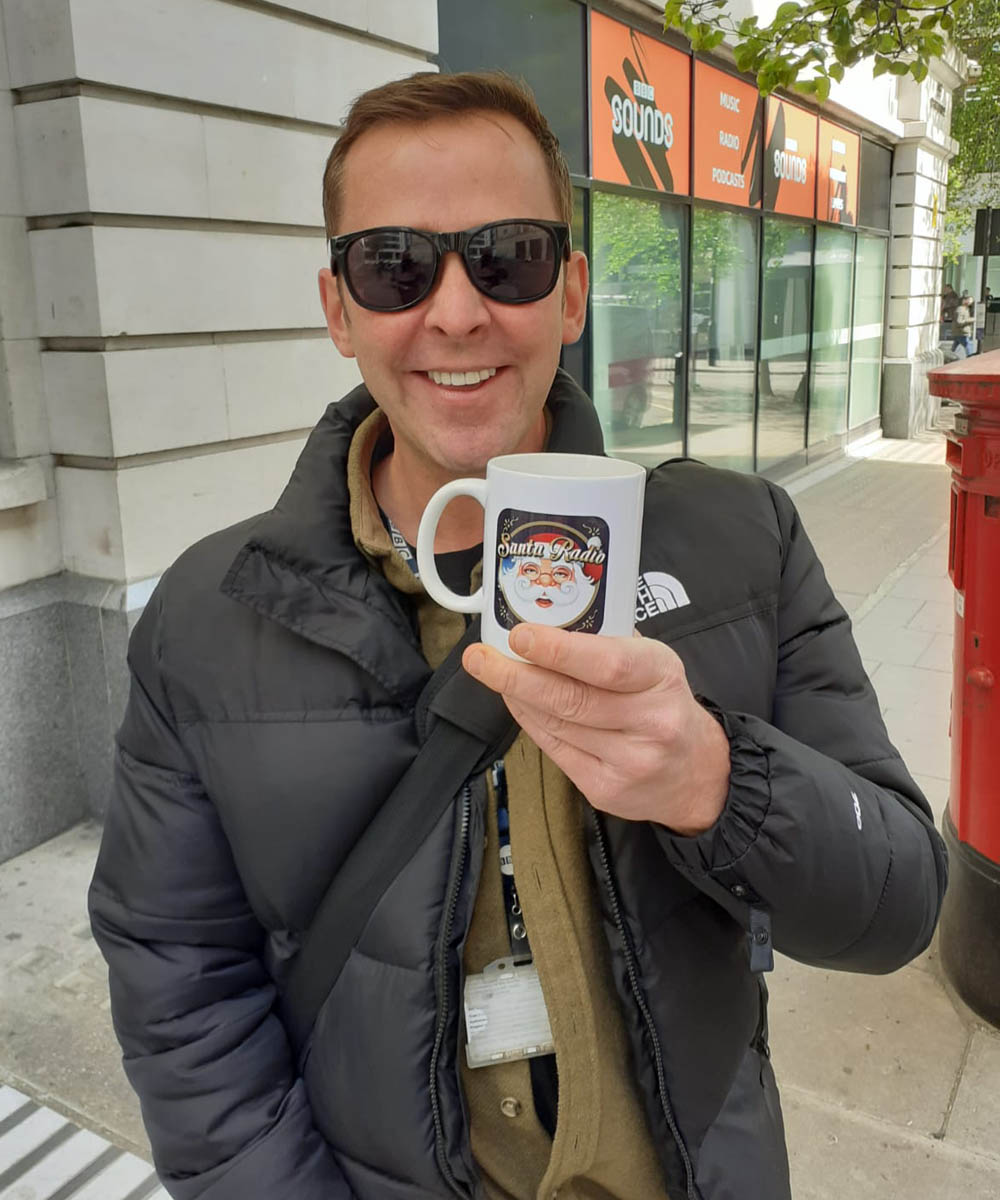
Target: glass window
866 343
723 338
541 40
831 334
876 173
637 316
783 376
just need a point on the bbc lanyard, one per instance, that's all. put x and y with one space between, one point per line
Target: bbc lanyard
400 544
520 947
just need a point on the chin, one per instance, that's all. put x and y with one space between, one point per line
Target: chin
471 457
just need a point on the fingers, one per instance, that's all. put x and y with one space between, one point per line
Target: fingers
548 691
599 745
615 664
579 765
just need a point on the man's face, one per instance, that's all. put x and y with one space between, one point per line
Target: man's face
446 175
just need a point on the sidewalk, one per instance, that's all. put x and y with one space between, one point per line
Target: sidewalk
890 1086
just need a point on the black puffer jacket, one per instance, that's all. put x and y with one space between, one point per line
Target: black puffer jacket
274 679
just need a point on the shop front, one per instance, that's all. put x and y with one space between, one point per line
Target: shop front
738 246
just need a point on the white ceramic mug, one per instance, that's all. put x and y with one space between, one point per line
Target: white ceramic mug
560 545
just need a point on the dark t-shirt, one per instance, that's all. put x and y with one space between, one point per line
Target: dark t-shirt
455 567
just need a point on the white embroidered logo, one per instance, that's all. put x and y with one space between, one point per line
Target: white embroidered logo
658 593
857 808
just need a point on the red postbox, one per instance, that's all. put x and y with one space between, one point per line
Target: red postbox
970 919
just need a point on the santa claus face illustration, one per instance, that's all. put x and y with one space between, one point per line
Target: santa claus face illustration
546 585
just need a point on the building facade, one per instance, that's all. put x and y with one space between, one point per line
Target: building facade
162 351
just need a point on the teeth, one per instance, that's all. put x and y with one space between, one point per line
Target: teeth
462 378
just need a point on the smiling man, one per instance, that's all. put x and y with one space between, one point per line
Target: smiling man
335 975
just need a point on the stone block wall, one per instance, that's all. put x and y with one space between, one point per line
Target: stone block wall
919 199
162 347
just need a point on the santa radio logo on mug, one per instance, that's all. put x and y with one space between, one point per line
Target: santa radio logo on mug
550 570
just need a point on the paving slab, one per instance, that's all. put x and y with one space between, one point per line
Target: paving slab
938 655
938 616
918 689
56 1038
894 611
835 1154
922 739
917 586
891 643
854 519
934 562
975 1117
888 1045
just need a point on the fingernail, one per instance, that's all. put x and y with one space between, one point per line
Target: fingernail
475 660
521 640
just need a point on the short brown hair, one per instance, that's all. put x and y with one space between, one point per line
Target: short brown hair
427 96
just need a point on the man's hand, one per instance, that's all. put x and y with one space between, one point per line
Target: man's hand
617 715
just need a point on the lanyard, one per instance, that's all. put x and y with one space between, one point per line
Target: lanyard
400 544
519 946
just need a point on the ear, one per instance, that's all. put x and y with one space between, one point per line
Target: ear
337 321
575 292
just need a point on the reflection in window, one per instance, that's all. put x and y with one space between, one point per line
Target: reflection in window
638 325
866 350
540 40
876 175
723 338
784 345
831 334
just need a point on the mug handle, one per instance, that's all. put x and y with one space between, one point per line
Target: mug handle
476 488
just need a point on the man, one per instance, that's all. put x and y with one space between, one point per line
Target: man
662 815
962 325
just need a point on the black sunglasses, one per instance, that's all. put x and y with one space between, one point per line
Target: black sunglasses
394 267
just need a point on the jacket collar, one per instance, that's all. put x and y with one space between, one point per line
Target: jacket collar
301 567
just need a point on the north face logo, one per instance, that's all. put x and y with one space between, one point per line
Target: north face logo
658 593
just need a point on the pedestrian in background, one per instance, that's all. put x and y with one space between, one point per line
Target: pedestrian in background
962 325
949 302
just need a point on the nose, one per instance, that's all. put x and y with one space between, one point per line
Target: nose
455 307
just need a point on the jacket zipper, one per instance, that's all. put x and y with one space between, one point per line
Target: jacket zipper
443 990
640 999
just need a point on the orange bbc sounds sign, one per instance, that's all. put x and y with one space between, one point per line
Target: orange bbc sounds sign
837 174
790 159
726 137
640 108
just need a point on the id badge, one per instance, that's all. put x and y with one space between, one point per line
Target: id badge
505 1014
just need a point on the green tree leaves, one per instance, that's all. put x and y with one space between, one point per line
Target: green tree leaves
809 44
974 174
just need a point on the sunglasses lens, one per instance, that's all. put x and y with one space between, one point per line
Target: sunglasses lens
392 268
514 262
